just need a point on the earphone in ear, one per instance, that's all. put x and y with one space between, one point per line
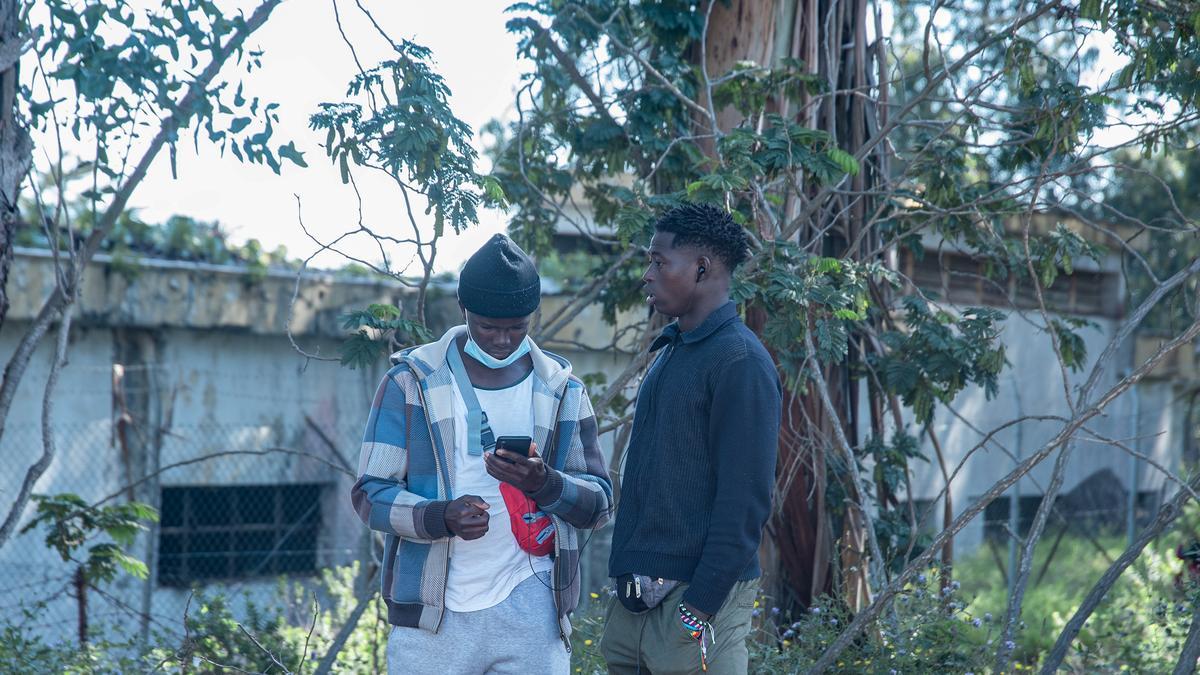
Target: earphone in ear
700 273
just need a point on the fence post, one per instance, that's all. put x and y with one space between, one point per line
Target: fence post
1014 502
1134 465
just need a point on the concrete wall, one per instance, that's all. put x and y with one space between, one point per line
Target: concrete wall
1033 386
205 367
205 356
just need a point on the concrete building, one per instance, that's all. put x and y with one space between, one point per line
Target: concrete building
190 366
1100 477
184 391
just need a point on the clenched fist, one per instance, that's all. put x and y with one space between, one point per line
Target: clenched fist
467 517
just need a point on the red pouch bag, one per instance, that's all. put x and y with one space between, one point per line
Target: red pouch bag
533 529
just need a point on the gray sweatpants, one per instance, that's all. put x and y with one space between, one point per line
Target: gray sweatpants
518 636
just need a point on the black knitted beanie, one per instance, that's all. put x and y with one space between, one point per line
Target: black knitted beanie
500 281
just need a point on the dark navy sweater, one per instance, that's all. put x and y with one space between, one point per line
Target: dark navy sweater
700 468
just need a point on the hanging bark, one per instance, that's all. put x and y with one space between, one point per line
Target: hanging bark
810 555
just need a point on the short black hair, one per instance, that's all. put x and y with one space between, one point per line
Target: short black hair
707 227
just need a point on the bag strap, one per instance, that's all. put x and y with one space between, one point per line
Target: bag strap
467 390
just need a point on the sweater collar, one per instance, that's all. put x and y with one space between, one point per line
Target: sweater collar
713 322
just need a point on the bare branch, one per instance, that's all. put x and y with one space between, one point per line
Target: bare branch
49 448
856 498
216 455
59 303
1013 612
303 657
1166 515
584 297
1191 647
364 597
333 449
869 614
263 649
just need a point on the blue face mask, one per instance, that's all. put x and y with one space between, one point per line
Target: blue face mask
473 350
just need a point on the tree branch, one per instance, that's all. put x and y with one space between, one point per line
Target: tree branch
855 493
1191 647
10 52
683 98
1166 515
568 65
365 595
39 467
59 303
584 297
869 614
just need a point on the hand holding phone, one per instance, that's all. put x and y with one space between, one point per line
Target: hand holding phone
517 444
526 473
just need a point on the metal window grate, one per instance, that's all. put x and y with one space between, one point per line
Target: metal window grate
237 532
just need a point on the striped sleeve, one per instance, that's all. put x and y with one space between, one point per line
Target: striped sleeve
580 490
381 495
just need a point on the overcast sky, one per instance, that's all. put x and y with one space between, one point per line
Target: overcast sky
305 63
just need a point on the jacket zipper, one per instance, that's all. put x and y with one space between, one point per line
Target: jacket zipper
557 554
449 495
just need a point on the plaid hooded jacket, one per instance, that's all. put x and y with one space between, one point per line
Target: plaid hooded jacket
406 477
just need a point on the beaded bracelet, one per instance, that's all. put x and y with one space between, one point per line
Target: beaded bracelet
697 628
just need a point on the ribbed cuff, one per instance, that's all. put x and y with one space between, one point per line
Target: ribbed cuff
705 599
550 491
435 520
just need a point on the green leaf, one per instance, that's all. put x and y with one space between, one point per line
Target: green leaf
494 191
844 160
828 265
384 311
132 566
360 351
289 152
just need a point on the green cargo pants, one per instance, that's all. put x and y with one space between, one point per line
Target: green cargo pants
655 643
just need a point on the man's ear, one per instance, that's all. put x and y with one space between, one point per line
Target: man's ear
704 265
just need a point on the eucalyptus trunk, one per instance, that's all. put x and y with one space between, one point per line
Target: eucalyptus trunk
16 147
816 547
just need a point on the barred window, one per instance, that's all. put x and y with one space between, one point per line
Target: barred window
1084 512
996 525
212 533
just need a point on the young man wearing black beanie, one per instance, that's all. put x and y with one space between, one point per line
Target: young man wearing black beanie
481 554
700 467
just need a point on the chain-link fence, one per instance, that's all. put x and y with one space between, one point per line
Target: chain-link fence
257 515
240 507
245 505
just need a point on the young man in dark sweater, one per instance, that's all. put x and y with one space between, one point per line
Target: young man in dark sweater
700 467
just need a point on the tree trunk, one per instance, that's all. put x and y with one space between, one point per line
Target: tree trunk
16 147
808 542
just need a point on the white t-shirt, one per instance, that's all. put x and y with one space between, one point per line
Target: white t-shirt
484 571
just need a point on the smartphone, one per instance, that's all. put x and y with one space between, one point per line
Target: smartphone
517 444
